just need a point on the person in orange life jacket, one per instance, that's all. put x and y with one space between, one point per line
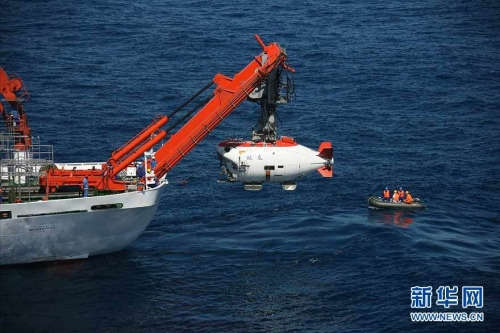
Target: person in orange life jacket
386 194
401 194
409 198
395 196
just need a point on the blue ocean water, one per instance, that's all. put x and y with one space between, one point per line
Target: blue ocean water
407 91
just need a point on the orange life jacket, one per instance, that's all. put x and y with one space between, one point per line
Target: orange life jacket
395 197
387 194
409 198
401 194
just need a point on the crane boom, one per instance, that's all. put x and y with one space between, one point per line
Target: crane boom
9 88
228 95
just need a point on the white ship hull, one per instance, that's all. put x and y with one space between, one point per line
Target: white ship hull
74 228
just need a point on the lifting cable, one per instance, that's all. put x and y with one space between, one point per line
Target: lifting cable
202 103
180 107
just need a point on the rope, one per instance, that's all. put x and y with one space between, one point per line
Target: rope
180 107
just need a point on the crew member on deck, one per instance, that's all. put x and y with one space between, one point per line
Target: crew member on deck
85 187
140 171
153 164
387 194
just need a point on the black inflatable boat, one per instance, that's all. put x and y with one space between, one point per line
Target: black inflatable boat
378 202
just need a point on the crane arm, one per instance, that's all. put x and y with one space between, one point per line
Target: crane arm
9 87
228 94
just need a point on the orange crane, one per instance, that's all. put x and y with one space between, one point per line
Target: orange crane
9 88
228 94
